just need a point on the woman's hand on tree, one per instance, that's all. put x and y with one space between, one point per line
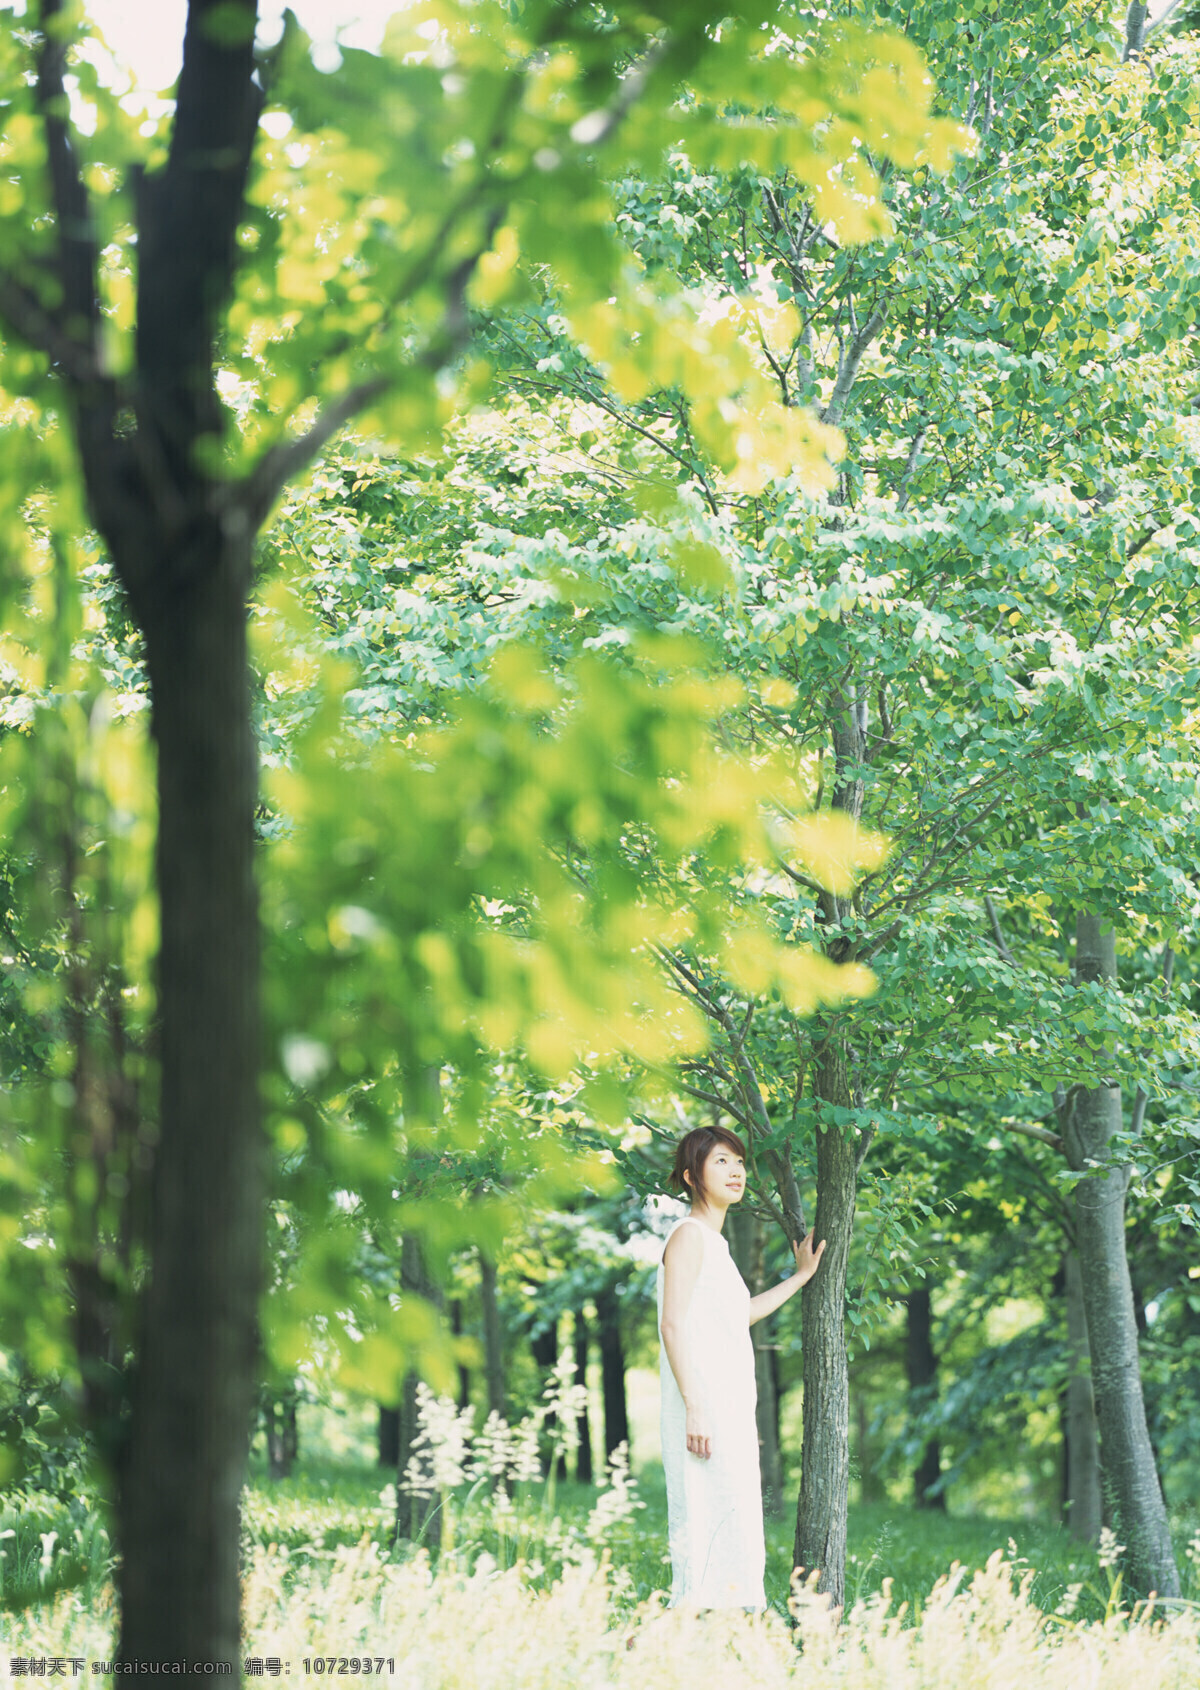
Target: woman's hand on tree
808 1260
699 1441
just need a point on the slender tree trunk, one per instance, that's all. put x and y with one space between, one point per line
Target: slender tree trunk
194 1391
583 1460
417 1516
612 1369
291 1431
544 1349
922 1381
389 1436
821 1510
747 1241
1082 1434
493 1349
464 1375
1129 1478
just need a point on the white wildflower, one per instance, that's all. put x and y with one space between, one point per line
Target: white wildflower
619 1501
566 1401
439 1449
491 1452
523 1463
1110 1550
1070 1600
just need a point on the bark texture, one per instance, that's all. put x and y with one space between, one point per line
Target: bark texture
1129 1478
1082 1439
194 1390
821 1511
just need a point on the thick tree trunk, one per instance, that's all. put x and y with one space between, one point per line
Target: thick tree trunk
821 1511
1129 1479
1082 1464
583 1461
747 1242
493 1349
921 1363
194 1392
612 1369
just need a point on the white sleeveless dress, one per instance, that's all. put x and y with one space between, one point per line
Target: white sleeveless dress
714 1505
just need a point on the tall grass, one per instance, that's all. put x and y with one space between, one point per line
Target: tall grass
488 1628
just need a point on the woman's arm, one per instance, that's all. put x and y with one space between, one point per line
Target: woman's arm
681 1269
807 1262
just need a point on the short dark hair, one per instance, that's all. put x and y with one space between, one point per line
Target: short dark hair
691 1153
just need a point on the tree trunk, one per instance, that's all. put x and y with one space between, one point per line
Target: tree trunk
389 1436
583 1460
612 1369
922 1383
821 1511
417 1516
544 1349
493 1349
194 1390
464 1374
1082 1439
1129 1479
747 1242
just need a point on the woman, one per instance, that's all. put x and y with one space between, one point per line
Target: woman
709 1432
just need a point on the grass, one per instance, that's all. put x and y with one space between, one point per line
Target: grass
487 1629
320 1578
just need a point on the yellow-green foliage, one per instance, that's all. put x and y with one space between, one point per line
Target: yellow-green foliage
492 1631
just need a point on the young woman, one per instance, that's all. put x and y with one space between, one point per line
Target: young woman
709 1432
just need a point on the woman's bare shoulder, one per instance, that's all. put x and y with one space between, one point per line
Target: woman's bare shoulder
685 1245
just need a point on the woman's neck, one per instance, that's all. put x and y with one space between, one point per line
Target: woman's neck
711 1215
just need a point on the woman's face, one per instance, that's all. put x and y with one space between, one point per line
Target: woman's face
724 1175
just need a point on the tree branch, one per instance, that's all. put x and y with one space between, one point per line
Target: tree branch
596 127
852 357
188 218
1030 1131
280 463
74 359
79 313
910 464
997 935
1162 19
1135 33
